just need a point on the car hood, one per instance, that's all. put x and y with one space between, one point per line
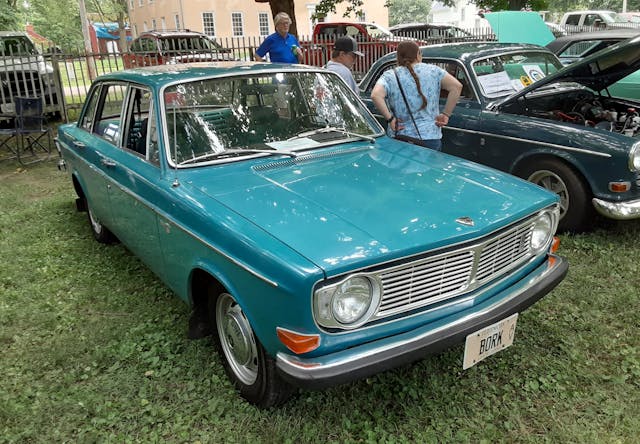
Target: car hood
350 208
597 72
508 27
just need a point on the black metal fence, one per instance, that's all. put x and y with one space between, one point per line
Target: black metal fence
62 77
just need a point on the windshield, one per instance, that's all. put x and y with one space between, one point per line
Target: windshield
502 75
16 46
284 111
612 17
378 31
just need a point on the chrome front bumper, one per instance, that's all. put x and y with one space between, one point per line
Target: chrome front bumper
371 358
618 210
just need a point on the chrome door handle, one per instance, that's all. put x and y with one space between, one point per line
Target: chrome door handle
79 144
107 162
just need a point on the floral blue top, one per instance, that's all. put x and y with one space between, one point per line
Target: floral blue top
430 77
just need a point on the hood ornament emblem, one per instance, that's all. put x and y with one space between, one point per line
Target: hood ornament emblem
465 220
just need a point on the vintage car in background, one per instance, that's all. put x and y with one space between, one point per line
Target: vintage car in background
313 247
169 47
521 112
575 47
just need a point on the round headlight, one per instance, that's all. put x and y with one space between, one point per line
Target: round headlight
634 158
542 232
352 300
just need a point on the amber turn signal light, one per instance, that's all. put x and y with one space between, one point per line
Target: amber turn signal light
555 244
296 342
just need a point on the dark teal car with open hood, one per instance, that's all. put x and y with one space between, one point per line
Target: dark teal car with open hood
312 247
573 130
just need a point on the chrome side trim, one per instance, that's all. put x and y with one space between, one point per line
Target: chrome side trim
172 221
518 139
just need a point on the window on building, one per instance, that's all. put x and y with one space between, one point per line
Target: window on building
164 24
176 19
362 16
144 26
135 30
263 23
140 2
463 14
237 24
131 3
208 23
154 24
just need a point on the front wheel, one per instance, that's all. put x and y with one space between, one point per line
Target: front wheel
252 371
99 231
576 210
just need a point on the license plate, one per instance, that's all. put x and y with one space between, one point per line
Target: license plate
489 340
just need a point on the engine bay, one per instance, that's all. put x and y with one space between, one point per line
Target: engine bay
585 109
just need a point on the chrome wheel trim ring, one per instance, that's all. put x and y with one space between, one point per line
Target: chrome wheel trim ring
237 339
553 182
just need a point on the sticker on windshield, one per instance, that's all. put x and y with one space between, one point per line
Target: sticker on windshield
533 72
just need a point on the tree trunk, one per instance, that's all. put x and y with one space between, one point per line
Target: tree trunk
284 6
124 46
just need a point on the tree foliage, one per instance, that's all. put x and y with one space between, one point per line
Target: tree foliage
407 11
57 20
10 15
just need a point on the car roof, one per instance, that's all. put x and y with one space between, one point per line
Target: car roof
608 34
160 75
420 25
180 33
13 34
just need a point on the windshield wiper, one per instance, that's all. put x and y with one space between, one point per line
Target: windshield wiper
235 152
331 129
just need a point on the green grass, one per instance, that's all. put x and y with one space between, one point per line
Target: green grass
93 348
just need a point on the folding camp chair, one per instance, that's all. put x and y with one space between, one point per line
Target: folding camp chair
30 139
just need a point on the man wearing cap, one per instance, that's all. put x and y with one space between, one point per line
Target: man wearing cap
281 46
343 57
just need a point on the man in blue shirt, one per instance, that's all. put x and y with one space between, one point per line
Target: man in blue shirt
281 46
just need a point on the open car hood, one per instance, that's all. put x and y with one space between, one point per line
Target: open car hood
597 72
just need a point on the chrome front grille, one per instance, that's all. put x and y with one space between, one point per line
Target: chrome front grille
444 276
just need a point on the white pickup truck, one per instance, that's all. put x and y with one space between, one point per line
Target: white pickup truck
577 20
24 72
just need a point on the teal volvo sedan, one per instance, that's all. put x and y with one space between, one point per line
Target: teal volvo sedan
312 247
573 130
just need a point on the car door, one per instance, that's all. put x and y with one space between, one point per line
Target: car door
86 146
136 180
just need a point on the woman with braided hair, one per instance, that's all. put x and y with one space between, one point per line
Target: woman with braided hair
408 98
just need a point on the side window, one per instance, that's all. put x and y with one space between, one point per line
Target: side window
136 46
354 31
458 72
108 121
90 112
573 20
590 19
137 121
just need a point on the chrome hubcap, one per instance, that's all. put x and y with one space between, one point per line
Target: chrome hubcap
237 339
552 182
95 223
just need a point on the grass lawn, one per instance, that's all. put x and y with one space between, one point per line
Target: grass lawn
94 348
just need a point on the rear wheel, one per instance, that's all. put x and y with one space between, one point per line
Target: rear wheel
576 210
252 371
